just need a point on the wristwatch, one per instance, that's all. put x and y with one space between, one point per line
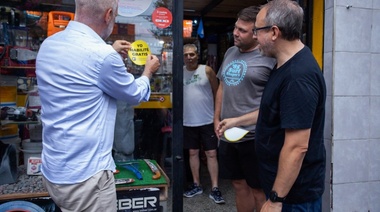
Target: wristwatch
274 198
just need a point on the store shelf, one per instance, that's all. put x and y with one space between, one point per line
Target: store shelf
5 122
18 67
30 186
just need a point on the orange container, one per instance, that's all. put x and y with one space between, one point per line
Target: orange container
58 20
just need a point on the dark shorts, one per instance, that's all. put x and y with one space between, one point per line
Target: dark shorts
239 161
202 136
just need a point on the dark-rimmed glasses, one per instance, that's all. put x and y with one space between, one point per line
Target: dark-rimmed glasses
254 30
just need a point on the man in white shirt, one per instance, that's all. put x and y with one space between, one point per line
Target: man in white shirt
80 78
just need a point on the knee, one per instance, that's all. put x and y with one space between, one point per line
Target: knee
211 154
193 152
258 192
240 185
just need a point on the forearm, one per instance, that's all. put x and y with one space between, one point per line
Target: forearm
289 167
147 73
290 161
247 119
218 104
244 120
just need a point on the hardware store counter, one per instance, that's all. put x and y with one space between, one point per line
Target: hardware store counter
30 186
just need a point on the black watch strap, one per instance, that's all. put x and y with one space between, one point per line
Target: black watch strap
273 197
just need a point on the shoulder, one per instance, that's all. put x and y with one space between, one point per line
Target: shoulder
231 50
209 70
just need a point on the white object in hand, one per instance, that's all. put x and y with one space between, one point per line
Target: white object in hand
234 134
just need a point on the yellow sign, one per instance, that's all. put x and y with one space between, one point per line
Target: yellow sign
139 52
157 100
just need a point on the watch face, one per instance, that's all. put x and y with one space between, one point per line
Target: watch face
274 198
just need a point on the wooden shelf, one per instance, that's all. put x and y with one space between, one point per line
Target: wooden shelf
5 122
29 193
18 67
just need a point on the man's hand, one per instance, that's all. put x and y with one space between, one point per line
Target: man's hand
122 46
224 125
151 66
271 206
216 128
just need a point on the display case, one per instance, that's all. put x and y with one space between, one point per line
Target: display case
147 24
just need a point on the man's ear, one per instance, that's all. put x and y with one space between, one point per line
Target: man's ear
275 32
109 15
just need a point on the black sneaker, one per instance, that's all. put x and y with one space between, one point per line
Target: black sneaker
216 195
193 190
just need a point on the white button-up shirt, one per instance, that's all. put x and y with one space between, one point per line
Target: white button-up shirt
79 79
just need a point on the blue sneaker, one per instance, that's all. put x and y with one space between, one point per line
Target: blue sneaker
193 190
216 195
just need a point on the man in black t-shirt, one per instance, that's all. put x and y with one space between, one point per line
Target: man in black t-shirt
289 130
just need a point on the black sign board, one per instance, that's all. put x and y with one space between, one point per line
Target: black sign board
138 200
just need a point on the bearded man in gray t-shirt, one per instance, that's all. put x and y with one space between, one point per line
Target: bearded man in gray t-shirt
243 75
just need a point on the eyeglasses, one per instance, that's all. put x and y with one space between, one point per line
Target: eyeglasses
254 30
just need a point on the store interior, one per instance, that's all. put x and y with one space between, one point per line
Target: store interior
24 24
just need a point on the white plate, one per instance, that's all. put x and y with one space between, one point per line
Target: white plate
234 134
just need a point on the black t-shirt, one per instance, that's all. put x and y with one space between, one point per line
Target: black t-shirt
294 98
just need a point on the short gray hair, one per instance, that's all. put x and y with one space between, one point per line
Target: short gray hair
287 15
190 46
94 8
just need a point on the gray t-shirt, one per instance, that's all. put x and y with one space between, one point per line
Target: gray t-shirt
244 76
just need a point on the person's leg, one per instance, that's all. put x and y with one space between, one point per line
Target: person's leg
80 196
212 166
243 196
259 197
209 142
194 164
191 142
210 145
230 168
249 163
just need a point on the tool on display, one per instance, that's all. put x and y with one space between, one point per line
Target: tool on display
133 168
22 54
18 48
124 181
153 167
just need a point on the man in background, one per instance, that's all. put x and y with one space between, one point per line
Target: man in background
243 75
289 132
80 78
199 89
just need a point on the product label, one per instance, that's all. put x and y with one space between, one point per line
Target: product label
34 166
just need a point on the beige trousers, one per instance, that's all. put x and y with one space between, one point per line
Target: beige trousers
97 194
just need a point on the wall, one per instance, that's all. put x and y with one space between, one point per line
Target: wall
351 61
